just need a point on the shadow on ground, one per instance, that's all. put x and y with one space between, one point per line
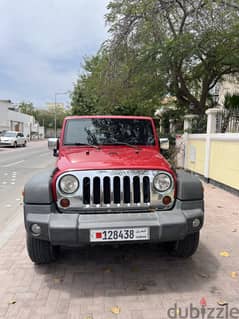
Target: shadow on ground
128 270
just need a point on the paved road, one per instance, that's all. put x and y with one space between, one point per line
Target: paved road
16 167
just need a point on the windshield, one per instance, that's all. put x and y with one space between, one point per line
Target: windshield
9 134
109 131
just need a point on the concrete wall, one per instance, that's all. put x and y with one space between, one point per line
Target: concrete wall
4 124
224 162
196 154
16 121
215 156
20 122
50 132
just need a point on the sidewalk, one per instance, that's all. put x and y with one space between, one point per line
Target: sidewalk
140 282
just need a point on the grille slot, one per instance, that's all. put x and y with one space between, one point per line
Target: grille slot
86 191
136 187
96 190
107 190
146 189
116 190
126 190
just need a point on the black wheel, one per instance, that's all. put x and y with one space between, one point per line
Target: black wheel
15 144
24 144
41 251
187 247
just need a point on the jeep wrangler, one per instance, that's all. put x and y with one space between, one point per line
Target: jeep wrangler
111 184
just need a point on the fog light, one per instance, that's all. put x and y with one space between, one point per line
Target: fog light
196 222
167 200
36 229
65 202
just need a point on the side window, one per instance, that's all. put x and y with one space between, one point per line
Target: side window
18 134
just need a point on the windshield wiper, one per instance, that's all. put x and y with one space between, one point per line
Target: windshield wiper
123 143
84 144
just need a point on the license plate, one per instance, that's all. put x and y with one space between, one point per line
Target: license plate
119 234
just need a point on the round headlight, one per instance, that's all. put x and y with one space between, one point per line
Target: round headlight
162 182
69 184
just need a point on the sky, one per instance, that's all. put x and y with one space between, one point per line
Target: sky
43 44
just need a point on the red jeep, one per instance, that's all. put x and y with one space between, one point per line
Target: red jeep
111 184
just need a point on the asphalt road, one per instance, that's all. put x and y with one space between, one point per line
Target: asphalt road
16 167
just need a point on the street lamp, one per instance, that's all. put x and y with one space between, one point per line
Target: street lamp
215 98
58 93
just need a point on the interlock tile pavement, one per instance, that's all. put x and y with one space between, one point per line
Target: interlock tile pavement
143 282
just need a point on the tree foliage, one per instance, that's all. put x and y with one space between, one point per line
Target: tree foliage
158 47
231 101
81 102
26 108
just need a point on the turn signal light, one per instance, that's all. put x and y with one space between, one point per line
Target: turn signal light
167 200
65 202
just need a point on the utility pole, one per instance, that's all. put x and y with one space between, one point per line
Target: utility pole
55 119
55 115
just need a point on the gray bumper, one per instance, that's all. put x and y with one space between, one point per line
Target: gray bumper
73 229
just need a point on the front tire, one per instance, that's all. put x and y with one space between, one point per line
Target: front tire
41 251
187 247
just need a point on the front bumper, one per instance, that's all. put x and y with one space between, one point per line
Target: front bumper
73 229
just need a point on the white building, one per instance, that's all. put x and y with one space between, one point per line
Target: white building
12 120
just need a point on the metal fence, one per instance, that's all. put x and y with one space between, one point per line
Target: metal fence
199 124
227 121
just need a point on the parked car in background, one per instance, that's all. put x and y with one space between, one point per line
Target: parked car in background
13 138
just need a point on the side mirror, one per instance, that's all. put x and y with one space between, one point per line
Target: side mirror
53 144
164 144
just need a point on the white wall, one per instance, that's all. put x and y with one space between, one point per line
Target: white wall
11 120
26 121
4 125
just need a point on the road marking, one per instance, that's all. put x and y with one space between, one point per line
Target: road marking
12 164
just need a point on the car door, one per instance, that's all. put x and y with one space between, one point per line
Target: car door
22 139
19 139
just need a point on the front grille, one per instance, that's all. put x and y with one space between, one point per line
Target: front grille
116 190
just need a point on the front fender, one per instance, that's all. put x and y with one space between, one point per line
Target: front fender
38 189
189 186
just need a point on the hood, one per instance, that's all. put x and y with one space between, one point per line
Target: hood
111 158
